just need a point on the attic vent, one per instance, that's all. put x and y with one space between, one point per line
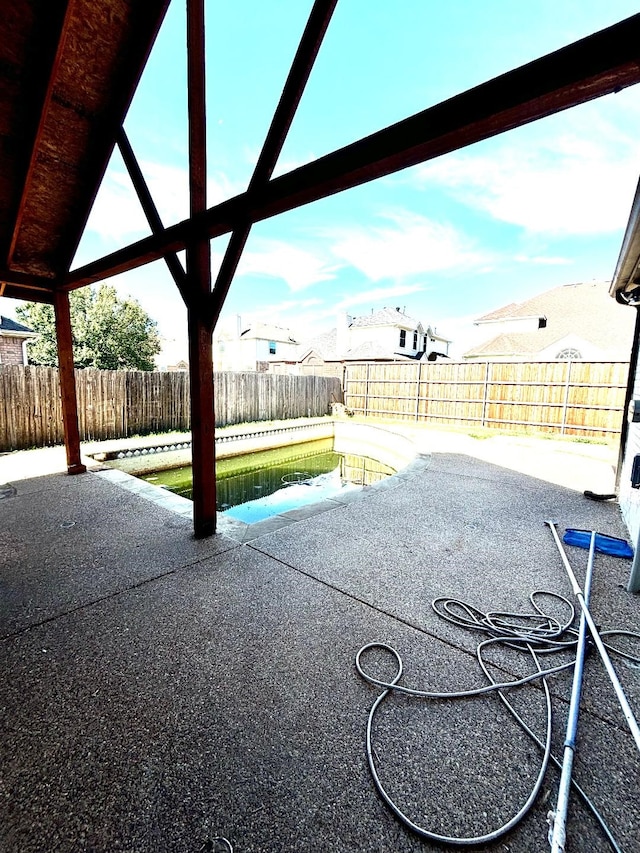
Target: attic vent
569 354
542 322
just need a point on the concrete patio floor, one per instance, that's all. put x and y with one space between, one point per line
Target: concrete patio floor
160 691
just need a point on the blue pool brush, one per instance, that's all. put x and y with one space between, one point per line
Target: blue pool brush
605 544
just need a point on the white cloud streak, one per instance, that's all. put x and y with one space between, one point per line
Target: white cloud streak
117 214
377 294
567 186
544 260
298 267
410 245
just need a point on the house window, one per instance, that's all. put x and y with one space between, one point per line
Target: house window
415 340
569 354
424 343
403 338
272 347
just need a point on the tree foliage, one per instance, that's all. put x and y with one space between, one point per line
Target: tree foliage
108 332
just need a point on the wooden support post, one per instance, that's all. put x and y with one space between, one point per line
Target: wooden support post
199 289
67 383
202 424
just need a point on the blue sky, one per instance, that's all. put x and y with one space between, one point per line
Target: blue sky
449 240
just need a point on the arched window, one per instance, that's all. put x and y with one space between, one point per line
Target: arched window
569 354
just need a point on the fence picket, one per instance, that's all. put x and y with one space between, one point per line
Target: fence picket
117 404
577 399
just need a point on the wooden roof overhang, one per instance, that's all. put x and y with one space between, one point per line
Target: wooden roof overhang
68 71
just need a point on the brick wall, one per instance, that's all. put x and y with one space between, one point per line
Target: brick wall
10 350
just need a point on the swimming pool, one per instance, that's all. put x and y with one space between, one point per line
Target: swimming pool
255 486
124 462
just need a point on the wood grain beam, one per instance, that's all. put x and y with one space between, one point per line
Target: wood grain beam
149 208
198 287
47 62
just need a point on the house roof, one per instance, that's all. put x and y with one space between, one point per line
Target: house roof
520 343
268 332
14 328
385 317
69 71
584 309
324 346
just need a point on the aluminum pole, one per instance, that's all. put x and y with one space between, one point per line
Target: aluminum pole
606 660
558 830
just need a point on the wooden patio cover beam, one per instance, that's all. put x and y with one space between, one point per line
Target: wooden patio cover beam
198 287
36 144
294 87
149 208
597 65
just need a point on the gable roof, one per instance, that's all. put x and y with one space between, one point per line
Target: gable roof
585 310
385 317
324 345
520 343
15 329
267 332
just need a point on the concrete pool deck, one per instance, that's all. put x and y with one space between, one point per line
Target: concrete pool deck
160 691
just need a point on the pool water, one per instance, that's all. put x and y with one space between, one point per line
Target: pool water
256 486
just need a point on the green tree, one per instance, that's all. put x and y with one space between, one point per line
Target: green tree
108 333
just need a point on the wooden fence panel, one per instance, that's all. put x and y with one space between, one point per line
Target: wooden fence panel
118 403
565 398
559 398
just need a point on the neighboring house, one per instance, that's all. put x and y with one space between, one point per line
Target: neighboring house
577 322
387 335
251 346
13 341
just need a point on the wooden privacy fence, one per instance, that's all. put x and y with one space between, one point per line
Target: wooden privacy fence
118 403
560 397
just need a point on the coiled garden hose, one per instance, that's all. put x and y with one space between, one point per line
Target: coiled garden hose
537 633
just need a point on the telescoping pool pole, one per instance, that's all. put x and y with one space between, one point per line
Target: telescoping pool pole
606 660
557 832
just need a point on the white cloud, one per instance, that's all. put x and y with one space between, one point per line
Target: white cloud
545 260
276 313
376 294
117 214
298 267
411 245
568 185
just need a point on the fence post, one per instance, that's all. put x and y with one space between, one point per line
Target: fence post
366 392
419 366
566 398
485 393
